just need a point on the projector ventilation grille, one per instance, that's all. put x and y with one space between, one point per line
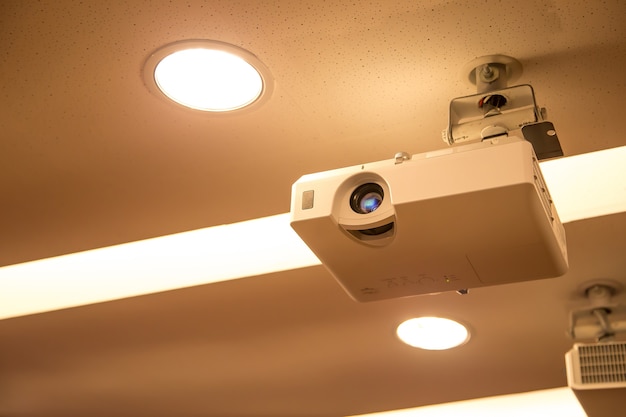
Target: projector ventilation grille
543 190
602 363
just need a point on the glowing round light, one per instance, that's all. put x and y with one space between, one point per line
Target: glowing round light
432 333
208 76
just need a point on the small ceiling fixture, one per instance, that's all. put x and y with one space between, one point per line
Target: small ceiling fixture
432 333
208 75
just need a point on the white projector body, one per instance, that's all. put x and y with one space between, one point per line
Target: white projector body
459 218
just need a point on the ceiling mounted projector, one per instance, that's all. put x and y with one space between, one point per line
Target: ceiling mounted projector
462 217
475 214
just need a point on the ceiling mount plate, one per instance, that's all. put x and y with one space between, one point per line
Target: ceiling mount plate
614 287
512 65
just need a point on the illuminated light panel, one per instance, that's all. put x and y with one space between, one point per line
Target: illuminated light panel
433 333
209 76
267 244
181 260
544 403
587 185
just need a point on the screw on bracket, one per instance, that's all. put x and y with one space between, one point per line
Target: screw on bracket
488 73
401 157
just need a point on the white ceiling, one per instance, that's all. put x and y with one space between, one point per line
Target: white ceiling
90 158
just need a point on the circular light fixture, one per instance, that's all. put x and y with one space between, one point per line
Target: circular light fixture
209 76
433 333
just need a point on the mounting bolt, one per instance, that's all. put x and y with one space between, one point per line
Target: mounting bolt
491 77
488 73
401 157
599 295
492 72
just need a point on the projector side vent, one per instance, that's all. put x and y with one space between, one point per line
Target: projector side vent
597 365
543 190
603 363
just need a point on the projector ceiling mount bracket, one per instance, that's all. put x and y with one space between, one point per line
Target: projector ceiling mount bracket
603 317
491 72
498 110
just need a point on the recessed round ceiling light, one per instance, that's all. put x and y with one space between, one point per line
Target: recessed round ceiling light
433 333
209 76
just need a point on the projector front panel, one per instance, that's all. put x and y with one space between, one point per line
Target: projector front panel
463 219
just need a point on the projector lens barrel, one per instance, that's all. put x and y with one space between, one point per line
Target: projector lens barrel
366 198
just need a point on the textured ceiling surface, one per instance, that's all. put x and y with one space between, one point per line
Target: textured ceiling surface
89 157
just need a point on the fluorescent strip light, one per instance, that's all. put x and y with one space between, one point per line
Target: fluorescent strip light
587 185
544 403
582 186
181 260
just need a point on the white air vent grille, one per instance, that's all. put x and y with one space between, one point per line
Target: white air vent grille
597 364
602 363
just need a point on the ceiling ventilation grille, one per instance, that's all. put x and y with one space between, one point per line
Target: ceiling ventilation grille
598 365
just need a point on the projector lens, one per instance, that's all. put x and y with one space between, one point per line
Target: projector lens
366 198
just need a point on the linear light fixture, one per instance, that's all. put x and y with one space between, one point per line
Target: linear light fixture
543 403
582 186
180 260
587 185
